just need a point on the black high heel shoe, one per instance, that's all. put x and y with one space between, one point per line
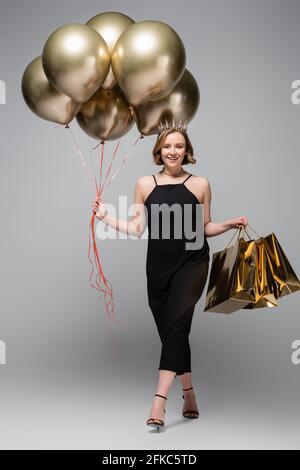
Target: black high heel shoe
193 414
154 422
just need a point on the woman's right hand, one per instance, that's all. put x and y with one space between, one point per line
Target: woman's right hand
99 209
239 221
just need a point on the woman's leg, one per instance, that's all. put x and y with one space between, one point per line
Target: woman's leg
175 351
165 381
189 395
175 320
186 380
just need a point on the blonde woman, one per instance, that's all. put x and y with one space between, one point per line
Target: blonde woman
176 276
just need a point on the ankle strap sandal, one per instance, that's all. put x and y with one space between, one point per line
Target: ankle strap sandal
154 422
191 414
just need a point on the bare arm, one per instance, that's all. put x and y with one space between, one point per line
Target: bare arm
136 225
212 229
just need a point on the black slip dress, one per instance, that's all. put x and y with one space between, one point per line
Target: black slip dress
176 276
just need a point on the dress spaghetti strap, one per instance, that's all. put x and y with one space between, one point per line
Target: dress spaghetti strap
187 178
155 180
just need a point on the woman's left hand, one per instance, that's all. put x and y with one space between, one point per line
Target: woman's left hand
236 223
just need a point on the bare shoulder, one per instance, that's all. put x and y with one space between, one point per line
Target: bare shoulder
201 180
144 180
144 185
199 185
203 184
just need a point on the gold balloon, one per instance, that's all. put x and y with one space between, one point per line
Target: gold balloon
104 115
43 99
76 60
110 25
148 60
181 103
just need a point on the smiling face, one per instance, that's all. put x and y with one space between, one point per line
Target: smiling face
173 150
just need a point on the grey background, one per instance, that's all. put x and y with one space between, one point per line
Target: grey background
63 385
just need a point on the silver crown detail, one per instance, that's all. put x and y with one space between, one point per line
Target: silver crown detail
182 126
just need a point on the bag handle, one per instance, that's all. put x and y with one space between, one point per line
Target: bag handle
243 228
239 229
259 236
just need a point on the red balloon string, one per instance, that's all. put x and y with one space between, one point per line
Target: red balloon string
97 278
101 167
93 180
113 157
100 276
123 161
109 168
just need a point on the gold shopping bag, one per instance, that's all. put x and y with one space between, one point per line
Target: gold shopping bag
232 277
285 281
265 289
280 274
284 276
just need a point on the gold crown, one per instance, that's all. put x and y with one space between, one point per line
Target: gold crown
182 126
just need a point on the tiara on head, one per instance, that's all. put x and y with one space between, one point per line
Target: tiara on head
182 126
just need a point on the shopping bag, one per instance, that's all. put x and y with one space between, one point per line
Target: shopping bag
284 276
274 273
264 287
231 283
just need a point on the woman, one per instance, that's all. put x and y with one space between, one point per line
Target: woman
176 276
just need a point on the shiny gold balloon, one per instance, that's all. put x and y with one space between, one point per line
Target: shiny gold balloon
110 25
105 115
43 99
76 60
181 103
148 60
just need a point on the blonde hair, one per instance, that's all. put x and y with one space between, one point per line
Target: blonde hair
156 152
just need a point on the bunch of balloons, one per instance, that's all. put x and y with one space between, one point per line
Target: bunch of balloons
110 73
